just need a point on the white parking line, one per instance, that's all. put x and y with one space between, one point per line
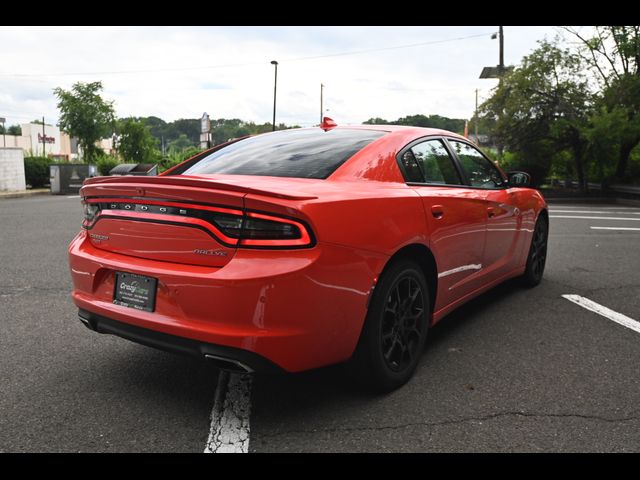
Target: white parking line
595 218
582 207
73 196
604 311
619 212
616 228
229 431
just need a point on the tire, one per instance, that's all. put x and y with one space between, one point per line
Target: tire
395 329
537 253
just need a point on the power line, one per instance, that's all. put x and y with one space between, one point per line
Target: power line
231 65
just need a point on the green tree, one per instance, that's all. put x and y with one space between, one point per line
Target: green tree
85 115
11 130
180 144
430 121
613 55
135 142
541 110
377 121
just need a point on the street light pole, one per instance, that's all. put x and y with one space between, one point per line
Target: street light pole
476 122
275 87
501 64
321 110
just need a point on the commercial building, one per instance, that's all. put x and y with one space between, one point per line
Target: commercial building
51 142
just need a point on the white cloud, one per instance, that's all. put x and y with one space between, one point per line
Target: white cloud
432 79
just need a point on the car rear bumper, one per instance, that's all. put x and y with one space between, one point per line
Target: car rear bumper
298 309
229 358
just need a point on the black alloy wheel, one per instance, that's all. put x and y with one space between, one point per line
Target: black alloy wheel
537 253
402 325
395 330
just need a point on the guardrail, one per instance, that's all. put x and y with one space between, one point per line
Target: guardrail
616 188
632 189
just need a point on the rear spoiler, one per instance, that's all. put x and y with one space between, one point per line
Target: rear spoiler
186 181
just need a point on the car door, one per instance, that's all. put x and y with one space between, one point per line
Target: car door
502 214
456 217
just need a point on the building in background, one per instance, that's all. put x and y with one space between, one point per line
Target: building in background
53 143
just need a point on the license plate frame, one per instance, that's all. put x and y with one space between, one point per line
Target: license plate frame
135 291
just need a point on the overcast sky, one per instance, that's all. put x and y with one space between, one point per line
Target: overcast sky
181 72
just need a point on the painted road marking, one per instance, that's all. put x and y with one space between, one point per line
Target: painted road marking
619 207
616 228
604 311
73 196
229 431
595 218
619 212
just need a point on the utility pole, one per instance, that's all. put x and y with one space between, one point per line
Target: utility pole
4 131
275 88
501 64
44 139
499 70
321 110
476 122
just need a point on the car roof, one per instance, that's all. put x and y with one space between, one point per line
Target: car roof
403 129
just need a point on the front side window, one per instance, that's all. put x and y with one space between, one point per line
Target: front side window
479 170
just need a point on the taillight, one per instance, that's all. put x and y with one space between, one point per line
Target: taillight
233 227
90 212
259 230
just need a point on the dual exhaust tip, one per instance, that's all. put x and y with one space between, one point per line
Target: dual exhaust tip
228 364
223 363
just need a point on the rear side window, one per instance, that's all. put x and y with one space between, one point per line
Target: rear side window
436 163
301 153
479 170
429 162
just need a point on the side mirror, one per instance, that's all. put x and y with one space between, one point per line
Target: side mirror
519 179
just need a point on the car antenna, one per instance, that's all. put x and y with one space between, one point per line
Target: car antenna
328 124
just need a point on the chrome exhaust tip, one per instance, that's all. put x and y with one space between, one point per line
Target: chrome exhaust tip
228 364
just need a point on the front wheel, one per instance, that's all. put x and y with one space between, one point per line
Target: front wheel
537 253
395 329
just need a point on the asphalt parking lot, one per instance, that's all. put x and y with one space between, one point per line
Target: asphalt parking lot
515 370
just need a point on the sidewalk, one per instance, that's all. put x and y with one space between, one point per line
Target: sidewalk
25 193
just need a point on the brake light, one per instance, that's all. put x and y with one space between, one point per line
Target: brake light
260 230
233 227
90 212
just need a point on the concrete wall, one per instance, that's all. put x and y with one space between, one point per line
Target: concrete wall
16 141
12 170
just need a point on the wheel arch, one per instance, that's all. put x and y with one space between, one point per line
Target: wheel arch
422 255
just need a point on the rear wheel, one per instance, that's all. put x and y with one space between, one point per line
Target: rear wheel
395 329
537 253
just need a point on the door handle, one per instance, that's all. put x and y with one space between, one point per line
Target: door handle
437 211
491 212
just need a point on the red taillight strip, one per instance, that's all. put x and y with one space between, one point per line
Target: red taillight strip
304 240
168 218
143 201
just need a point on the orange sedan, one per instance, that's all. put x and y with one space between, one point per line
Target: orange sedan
301 248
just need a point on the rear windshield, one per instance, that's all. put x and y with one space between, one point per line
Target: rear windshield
301 153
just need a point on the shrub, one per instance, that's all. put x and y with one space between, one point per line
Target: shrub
105 164
36 171
176 158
